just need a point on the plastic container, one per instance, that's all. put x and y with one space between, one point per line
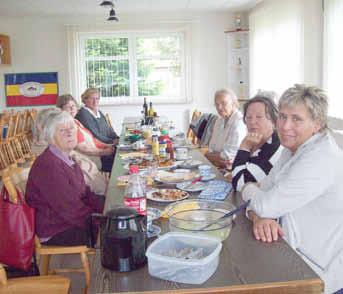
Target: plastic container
178 269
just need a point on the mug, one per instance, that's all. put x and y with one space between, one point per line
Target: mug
205 170
138 145
181 153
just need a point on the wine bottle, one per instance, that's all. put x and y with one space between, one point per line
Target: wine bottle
145 108
151 110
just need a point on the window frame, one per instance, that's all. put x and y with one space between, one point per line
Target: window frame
133 99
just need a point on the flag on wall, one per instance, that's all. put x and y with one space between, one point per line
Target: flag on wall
27 89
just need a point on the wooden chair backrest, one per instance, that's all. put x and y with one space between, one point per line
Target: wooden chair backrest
190 134
109 120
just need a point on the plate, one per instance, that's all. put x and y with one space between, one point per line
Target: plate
166 195
124 178
208 178
173 165
153 213
196 187
174 178
190 163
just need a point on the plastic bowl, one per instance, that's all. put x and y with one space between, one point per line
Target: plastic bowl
192 216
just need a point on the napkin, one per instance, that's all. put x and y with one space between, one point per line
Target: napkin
216 190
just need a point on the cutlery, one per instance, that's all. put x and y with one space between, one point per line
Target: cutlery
230 213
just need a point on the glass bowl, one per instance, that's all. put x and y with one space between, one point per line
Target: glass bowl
192 216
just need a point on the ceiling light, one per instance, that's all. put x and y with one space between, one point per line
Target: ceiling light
113 15
106 3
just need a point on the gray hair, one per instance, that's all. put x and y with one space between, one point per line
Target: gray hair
229 93
54 119
40 122
314 99
267 99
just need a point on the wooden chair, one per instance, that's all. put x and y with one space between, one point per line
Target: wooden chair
190 134
44 252
109 120
34 285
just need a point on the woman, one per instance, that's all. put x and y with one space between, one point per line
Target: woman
86 142
93 178
304 189
57 190
259 149
228 131
94 120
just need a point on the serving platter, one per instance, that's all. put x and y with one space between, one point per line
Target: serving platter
166 195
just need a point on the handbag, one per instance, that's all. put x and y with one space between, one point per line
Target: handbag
17 227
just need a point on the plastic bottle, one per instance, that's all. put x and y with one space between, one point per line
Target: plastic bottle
155 145
170 149
135 196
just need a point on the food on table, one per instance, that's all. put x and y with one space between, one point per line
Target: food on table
170 177
169 194
185 253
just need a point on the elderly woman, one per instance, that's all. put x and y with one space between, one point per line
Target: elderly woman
228 131
93 178
86 142
260 148
57 190
304 189
94 120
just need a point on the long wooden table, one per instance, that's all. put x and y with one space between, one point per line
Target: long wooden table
246 265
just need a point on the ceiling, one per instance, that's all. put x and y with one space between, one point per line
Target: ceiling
41 8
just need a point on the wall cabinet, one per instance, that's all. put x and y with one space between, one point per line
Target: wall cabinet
238 62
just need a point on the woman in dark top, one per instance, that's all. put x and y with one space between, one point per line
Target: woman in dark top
94 120
57 190
260 148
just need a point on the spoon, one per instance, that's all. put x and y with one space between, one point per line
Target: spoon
230 213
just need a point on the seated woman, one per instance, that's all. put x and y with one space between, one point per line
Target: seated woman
228 131
57 190
260 148
86 143
93 178
94 120
304 188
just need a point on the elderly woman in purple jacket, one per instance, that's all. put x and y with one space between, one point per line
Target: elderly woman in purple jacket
57 190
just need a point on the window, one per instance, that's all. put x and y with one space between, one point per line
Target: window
333 61
276 40
126 67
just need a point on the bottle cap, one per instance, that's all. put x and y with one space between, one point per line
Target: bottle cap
164 132
134 169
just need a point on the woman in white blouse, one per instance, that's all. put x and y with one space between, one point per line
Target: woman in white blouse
304 189
229 129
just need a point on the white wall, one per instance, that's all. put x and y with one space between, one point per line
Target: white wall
41 45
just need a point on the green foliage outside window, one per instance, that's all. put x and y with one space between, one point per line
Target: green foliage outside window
107 65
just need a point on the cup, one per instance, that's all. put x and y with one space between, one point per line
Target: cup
205 170
181 153
138 145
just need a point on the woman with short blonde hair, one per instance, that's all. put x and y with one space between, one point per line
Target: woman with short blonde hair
304 189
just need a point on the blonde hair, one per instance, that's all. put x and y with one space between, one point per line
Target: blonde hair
89 92
314 99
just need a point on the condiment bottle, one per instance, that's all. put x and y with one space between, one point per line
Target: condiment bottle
135 196
163 149
170 149
155 146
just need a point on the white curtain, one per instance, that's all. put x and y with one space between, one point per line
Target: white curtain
276 50
333 55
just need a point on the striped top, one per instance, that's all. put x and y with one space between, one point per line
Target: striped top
254 167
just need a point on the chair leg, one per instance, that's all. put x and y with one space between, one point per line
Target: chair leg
85 264
45 260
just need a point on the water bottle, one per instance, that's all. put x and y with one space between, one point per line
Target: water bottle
135 196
